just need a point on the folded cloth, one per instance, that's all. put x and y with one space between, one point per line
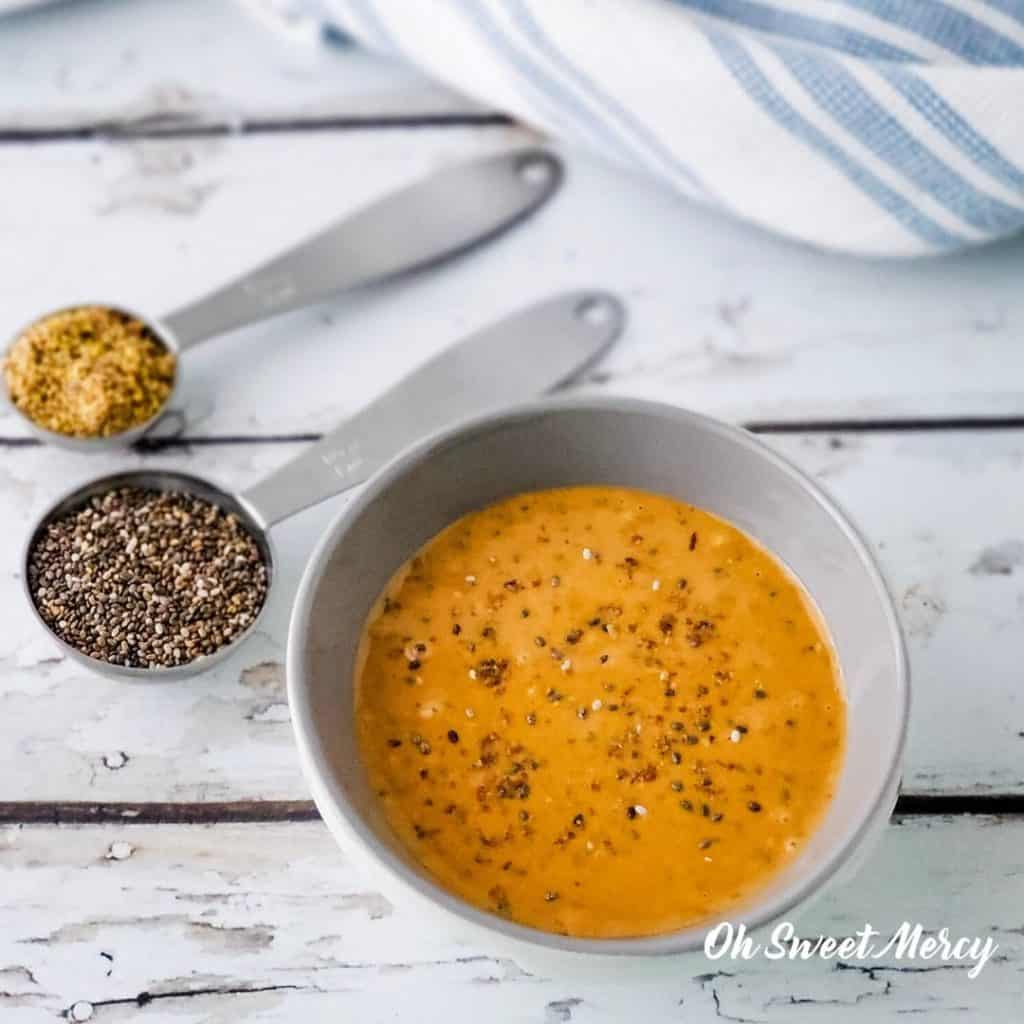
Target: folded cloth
873 126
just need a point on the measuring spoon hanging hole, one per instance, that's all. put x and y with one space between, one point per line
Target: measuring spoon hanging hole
594 318
539 170
599 311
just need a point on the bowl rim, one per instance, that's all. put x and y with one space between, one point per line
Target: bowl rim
355 837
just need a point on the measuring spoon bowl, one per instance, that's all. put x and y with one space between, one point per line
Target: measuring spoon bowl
164 480
124 438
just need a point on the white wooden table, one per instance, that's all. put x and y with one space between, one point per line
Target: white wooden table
159 858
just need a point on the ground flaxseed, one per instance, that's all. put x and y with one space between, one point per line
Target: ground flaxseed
89 372
147 579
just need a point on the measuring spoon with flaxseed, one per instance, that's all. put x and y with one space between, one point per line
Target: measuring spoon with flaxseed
418 227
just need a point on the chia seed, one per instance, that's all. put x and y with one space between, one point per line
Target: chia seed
147 579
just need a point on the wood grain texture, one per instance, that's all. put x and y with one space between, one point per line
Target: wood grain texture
268 922
724 319
934 506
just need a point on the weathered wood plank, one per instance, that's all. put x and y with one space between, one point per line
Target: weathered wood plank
723 318
270 923
936 507
146 65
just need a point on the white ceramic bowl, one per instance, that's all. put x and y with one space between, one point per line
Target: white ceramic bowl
596 441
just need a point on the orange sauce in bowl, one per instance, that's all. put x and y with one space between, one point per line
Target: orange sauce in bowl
599 712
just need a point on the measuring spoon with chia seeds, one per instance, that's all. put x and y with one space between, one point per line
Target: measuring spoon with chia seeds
521 356
422 225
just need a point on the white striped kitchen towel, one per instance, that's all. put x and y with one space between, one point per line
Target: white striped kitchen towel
873 126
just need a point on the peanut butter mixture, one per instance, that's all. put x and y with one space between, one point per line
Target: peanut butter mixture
599 712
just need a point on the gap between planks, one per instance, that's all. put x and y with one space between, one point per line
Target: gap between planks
852 426
175 127
267 811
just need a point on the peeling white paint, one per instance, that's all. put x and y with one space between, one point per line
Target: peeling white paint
271 922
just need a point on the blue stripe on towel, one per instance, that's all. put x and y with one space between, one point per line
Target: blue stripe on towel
535 75
1011 7
750 77
838 93
931 106
950 28
524 19
802 27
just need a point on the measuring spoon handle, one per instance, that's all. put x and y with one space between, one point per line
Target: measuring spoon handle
416 227
516 359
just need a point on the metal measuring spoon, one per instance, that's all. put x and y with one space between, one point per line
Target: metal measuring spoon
417 227
517 358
